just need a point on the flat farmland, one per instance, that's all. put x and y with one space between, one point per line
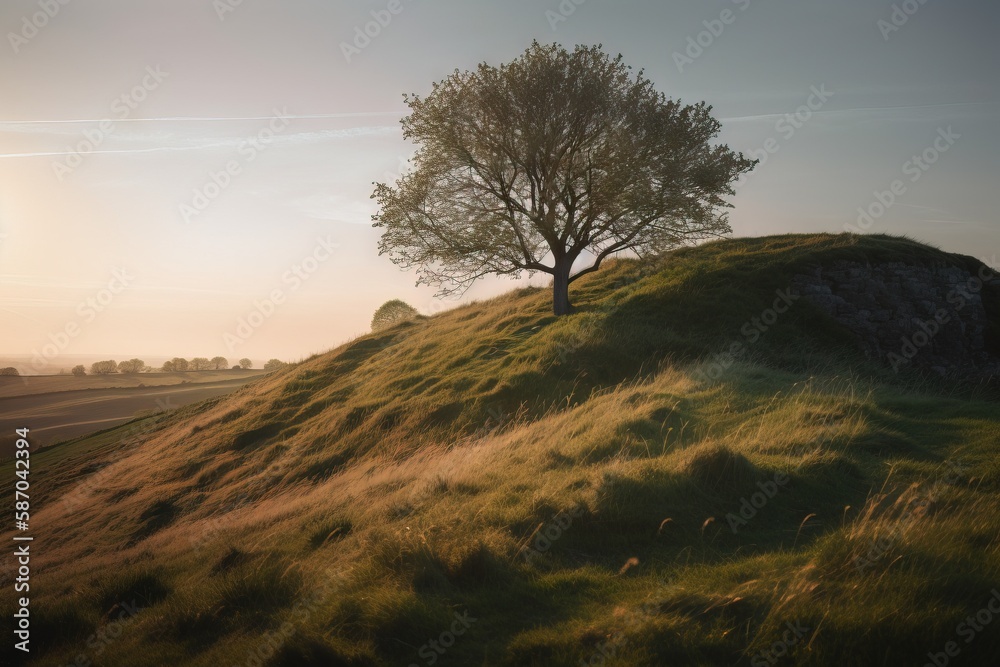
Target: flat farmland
58 407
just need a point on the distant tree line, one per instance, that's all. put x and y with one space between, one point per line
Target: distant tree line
175 365
110 366
181 365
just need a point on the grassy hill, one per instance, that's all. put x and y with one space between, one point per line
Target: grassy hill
495 486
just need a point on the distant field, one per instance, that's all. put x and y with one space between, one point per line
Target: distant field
58 408
45 384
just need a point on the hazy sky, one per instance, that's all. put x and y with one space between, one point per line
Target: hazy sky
190 88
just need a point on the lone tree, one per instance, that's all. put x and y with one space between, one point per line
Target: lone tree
553 158
246 364
274 365
219 363
390 313
79 370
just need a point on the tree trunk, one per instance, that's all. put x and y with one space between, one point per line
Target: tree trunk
560 290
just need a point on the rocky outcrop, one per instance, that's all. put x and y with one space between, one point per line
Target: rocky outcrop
943 318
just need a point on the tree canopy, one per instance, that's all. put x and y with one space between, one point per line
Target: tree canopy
177 364
200 364
274 365
106 367
554 159
391 312
131 366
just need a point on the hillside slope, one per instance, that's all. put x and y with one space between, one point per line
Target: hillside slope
693 468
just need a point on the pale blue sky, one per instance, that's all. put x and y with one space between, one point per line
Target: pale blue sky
211 84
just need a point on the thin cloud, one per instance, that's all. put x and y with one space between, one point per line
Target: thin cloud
184 119
291 138
822 112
